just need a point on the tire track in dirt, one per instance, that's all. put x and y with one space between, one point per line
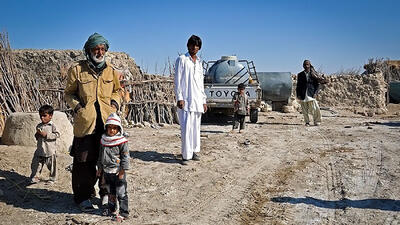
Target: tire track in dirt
212 208
260 196
351 173
220 204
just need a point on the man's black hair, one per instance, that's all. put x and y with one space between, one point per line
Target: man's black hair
194 40
46 109
241 86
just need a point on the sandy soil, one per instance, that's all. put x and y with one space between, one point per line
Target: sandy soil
345 171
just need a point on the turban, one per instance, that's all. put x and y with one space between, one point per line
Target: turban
94 40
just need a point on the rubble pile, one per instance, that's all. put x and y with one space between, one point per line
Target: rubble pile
389 68
359 93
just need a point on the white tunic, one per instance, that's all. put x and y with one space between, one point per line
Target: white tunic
189 83
308 98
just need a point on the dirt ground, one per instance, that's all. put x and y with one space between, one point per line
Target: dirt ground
345 171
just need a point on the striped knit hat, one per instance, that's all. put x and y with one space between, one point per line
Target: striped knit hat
116 139
114 119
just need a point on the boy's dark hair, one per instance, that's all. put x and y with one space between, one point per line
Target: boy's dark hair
194 40
46 109
241 86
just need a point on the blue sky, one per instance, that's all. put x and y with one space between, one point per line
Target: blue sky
276 35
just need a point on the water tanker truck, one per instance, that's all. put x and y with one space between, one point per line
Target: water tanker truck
220 84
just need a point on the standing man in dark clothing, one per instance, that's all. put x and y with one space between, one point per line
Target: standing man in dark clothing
307 90
92 91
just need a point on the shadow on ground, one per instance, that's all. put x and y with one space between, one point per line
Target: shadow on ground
212 131
153 156
216 119
392 124
381 204
18 192
286 124
389 124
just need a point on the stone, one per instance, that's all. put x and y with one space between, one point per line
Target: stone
380 111
139 125
287 109
155 126
267 107
20 129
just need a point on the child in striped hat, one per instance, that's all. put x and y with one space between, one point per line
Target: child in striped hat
112 163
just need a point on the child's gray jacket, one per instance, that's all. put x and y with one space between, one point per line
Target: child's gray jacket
113 158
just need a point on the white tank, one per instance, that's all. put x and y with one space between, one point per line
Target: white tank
228 70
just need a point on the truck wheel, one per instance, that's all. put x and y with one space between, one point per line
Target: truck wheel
253 115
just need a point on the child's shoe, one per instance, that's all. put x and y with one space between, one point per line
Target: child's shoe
105 211
125 215
69 167
34 180
118 218
50 182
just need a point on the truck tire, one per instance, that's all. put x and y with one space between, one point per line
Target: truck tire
253 115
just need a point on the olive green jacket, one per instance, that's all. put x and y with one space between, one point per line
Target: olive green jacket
85 87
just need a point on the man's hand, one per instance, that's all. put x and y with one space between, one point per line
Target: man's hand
98 172
121 174
180 104
114 105
78 107
205 108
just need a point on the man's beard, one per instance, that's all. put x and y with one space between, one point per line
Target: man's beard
97 60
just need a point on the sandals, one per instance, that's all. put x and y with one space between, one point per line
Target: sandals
118 218
34 180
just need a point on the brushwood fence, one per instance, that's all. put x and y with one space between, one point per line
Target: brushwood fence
151 100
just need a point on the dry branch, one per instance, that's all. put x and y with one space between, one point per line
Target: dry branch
18 93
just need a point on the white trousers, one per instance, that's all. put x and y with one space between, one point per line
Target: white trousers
311 107
190 132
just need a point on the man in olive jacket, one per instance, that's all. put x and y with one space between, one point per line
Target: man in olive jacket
92 91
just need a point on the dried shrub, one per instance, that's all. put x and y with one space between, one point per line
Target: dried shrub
389 68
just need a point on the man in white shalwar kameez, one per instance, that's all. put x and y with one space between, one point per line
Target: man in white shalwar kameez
191 99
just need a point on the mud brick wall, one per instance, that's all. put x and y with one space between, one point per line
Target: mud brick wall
353 92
